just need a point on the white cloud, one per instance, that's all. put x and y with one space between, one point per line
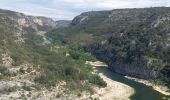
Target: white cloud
110 4
72 1
67 9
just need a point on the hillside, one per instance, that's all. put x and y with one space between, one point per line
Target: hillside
32 67
133 42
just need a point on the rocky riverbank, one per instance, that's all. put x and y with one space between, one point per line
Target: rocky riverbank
114 90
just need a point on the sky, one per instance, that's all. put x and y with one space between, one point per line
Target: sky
68 9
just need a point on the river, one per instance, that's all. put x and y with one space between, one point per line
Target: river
142 92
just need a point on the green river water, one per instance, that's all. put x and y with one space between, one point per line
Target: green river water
142 92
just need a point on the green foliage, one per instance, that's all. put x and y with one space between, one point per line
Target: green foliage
78 55
27 88
95 79
65 68
38 39
55 66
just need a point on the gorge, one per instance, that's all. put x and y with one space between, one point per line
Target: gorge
38 54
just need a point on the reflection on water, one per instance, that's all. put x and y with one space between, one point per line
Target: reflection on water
143 92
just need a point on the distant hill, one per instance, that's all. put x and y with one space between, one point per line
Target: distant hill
63 23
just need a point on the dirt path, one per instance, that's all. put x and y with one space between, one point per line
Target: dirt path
114 90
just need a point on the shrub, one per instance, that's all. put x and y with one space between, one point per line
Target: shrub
95 79
27 88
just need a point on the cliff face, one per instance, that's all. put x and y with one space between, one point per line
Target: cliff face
17 26
23 21
27 23
138 68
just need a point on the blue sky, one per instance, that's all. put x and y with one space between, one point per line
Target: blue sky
68 9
